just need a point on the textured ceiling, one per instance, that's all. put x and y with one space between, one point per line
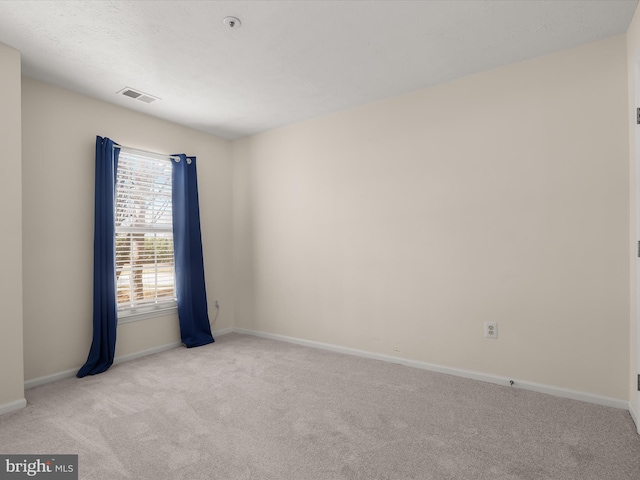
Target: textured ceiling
290 60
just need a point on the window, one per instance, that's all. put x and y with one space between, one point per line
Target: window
145 277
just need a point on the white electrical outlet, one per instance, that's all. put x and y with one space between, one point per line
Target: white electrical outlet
491 329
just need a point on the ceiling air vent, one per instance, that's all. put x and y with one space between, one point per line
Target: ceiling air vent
137 95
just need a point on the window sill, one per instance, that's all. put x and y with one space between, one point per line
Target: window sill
128 316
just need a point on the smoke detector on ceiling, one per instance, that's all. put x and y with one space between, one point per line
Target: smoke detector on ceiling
232 22
138 95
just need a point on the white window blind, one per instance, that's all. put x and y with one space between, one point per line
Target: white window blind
145 277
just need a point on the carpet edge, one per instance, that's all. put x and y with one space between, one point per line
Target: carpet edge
54 377
13 406
483 377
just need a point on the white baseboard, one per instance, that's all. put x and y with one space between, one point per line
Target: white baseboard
144 353
13 406
535 387
54 377
224 331
634 415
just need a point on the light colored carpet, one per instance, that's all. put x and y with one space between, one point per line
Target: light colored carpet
250 408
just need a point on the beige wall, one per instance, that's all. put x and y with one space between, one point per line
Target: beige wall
401 226
59 130
398 227
633 69
11 370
